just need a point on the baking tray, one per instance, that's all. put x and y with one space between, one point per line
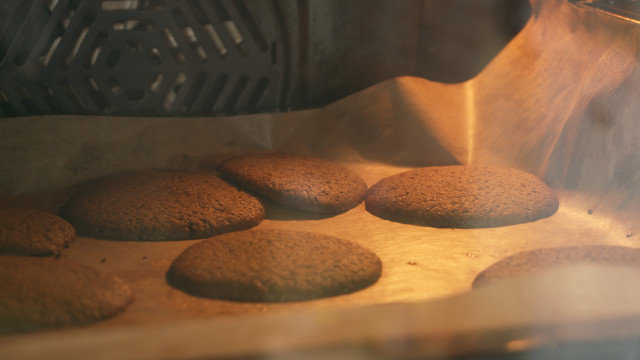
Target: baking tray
559 102
421 265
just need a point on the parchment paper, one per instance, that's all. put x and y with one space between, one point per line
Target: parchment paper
560 101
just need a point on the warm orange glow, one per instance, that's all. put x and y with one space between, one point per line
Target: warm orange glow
523 344
470 114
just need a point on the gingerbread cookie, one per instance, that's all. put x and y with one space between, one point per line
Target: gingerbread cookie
462 197
274 265
39 293
161 205
540 259
26 231
300 182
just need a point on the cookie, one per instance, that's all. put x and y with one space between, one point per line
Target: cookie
161 205
39 293
462 197
26 231
303 183
540 259
273 265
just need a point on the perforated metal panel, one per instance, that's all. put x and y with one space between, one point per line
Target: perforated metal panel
142 57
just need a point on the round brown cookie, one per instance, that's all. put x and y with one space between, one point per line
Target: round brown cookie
26 231
300 182
541 259
462 197
161 205
38 293
274 265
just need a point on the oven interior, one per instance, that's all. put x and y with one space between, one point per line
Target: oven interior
92 88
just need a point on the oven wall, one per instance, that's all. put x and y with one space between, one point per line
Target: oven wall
354 44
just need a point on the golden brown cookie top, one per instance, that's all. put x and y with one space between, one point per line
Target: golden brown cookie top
26 231
161 205
38 293
304 183
462 196
274 265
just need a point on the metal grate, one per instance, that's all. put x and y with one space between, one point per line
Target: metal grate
142 57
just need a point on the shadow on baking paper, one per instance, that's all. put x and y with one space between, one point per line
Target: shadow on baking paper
277 211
